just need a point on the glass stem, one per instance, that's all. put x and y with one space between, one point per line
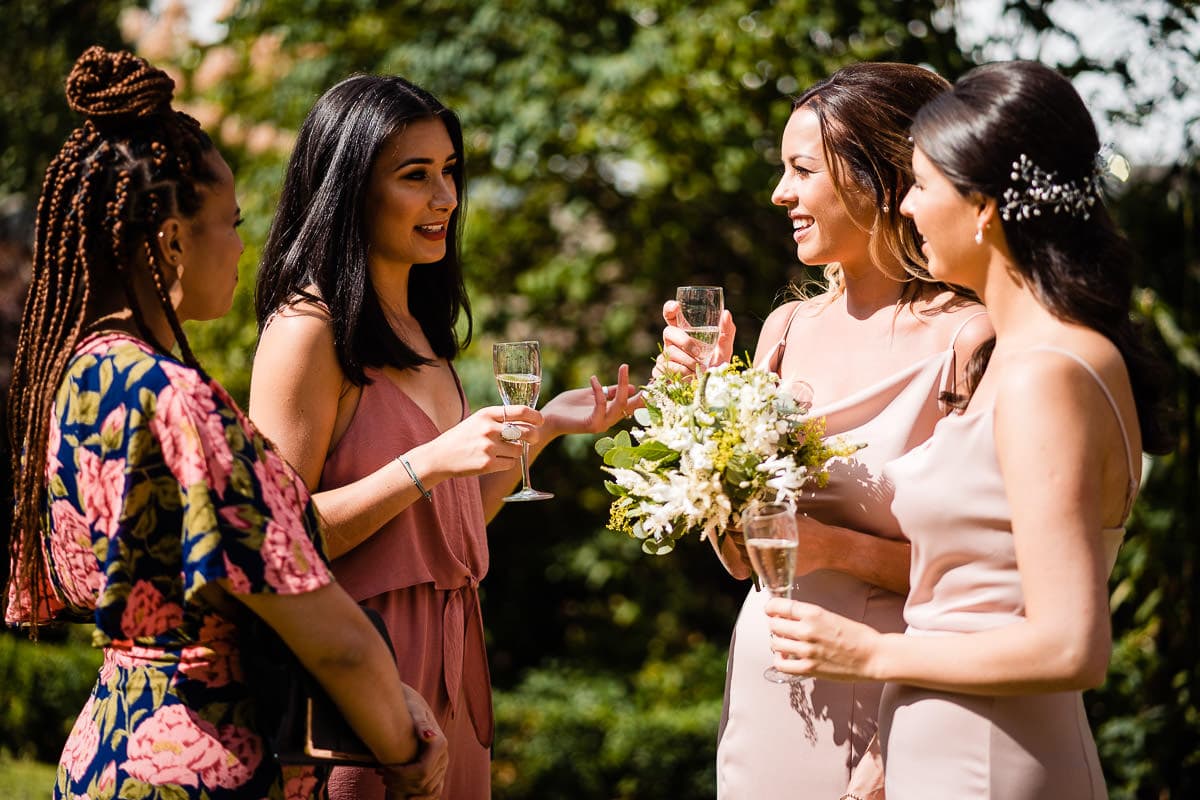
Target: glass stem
525 466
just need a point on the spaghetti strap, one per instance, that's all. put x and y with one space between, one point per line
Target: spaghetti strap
1131 489
949 387
775 360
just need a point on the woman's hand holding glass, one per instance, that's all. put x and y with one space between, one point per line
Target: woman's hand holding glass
772 539
808 640
518 370
490 440
682 352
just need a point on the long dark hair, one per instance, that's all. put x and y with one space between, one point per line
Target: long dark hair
319 235
1080 268
134 163
865 111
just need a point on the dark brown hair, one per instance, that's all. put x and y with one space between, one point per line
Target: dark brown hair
1081 269
132 164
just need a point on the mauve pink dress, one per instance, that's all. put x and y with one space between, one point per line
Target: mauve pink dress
950 499
802 740
421 571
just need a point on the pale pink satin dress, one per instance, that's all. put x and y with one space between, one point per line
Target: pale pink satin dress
950 499
421 571
802 740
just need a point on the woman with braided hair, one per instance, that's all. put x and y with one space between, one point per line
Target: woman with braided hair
146 501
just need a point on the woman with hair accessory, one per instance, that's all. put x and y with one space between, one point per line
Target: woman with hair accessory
146 501
1015 508
876 348
361 284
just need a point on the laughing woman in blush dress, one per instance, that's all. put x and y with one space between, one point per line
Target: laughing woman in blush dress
876 348
1015 508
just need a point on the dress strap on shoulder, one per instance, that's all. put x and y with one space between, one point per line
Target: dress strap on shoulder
949 387
775 360
1131 489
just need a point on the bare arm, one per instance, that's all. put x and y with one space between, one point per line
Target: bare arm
297 408
873 559
340 648
1062 459
866 780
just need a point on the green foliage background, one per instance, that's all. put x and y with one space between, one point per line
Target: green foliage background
615 150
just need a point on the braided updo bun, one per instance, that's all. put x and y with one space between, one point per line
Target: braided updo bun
114 89
134 163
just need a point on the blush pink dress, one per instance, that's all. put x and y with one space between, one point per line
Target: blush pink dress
421 571
950 498
802 740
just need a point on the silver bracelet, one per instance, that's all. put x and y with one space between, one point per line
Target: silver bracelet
416 481
849 796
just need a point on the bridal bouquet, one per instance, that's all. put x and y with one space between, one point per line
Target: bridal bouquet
705 448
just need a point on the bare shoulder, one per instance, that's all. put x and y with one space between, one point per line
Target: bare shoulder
794 313
797 312
1052 383
303 325
964 321
300 333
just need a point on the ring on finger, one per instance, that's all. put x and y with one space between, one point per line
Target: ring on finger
510 432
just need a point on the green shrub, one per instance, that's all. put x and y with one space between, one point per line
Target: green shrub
567 733
43 685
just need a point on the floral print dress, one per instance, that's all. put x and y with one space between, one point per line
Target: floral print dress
159 487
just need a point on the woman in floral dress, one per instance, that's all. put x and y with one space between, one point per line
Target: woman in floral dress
146 501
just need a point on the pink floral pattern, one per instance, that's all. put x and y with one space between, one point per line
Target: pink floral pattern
147 612
143 510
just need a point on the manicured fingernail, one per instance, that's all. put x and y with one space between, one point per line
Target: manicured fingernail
429 733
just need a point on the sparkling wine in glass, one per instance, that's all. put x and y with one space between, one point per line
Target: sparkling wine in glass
701 308
772 540
518 369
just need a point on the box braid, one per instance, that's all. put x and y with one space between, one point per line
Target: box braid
134 162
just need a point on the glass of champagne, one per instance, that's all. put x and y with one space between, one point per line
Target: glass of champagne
772 539
701 308
518 369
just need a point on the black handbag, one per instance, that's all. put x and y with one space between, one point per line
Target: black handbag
297 718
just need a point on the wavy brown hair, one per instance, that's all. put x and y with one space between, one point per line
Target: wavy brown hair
133 163
865 112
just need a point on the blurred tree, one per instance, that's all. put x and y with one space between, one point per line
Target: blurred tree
44 37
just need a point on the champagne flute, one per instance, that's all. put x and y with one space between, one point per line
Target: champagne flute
772 539
701 308
518 369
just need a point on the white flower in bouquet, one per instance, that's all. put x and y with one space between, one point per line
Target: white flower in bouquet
705 449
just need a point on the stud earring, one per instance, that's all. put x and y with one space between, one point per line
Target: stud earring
979 236
885 208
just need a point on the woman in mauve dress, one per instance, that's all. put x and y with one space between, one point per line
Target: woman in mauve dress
359 296
876 349
1015 508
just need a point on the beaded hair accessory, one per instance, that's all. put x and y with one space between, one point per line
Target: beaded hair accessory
1035 189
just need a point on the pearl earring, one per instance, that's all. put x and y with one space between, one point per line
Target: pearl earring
979 236
885 208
